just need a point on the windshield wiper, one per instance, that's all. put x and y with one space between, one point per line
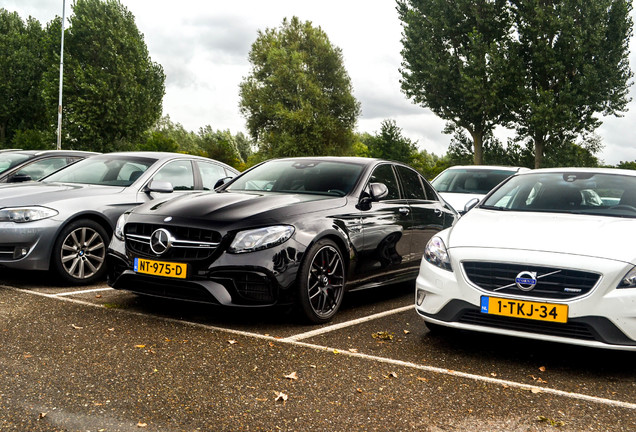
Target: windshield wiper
489 207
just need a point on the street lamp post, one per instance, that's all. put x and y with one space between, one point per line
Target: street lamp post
59 105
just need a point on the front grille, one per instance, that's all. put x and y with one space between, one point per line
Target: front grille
570 330
6 252
552 282
188 244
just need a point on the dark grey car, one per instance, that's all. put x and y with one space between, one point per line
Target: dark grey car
64 222
25 165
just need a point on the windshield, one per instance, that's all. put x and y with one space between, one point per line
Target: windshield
472 181
103 170
8 161
300 176
567 192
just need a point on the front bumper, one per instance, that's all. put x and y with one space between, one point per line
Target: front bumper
604 317
27 246
255 279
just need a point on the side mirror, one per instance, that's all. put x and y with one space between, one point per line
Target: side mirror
159 186
19 178
470 204
377 191
220 182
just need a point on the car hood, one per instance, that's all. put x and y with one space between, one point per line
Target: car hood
37 193
235 206
594 236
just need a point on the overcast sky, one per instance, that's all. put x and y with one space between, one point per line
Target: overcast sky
203 47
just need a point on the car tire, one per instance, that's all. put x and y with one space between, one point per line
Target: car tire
79 252
321 281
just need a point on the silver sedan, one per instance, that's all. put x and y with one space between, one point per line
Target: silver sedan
64 222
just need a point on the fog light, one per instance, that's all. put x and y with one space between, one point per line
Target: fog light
20 252
420 297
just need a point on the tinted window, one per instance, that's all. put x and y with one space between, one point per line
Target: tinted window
178 173
384 174
475 181
300 176
10 160
413 188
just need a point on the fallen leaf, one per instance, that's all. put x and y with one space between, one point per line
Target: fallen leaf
493 374
142 425
232 342
312 366
111 329
281 396
542 368
359 390
536 390
406 332
383 335
41 416
353 350
98 296
292 376
140 346
422 379
76 327
336 351
391 375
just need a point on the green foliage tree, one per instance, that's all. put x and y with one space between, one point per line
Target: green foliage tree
112 90
21 68
627 165
390 143
219 145
570 63
453 62
297 99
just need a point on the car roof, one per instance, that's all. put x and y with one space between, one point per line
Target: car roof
50 152
615 171
164 156
489 167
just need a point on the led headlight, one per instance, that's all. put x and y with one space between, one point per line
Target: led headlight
119 228
436 253
260 238
629 280
26 214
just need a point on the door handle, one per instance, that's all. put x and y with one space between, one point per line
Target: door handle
439 213
404 210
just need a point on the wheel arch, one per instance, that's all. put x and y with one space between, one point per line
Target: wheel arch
92 216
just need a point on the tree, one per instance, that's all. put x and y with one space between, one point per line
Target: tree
570 63
390 143
219 145
453 62
112 90
297 99
21 69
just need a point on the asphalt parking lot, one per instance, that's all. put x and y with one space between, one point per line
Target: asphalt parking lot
94 359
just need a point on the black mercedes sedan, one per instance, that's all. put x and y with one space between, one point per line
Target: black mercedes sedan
288 231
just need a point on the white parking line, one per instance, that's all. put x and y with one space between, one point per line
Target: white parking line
339 326
82 292
344 352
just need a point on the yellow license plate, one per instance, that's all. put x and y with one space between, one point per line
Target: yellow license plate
525 309
160 268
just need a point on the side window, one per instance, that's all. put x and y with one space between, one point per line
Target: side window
210 174
43 167
430 192
178 173
413 188
384 174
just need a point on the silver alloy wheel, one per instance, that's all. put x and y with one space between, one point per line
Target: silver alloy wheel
325 282
83 253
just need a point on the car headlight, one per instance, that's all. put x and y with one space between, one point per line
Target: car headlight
119 227
260 238
26 214
436 254
629 280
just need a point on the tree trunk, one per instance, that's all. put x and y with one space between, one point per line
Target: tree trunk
539 146
478 145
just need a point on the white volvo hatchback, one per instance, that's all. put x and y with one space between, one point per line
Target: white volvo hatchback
549 254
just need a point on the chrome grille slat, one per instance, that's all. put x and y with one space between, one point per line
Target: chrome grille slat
187 244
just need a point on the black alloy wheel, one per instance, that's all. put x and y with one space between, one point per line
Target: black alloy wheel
79 253
321 281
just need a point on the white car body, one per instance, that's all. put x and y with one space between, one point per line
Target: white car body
538 258
460 184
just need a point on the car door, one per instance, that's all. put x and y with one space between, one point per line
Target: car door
429 214
385 248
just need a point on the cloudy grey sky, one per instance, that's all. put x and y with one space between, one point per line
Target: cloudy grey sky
203 47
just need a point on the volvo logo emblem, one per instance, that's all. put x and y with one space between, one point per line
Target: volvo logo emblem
526 280
160 241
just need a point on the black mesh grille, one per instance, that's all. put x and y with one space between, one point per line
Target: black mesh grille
138 241
553 283
569 330
249 285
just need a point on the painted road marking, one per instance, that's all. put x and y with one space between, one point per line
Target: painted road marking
344 352
82 292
